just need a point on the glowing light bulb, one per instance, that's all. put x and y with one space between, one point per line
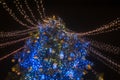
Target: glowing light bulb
61 55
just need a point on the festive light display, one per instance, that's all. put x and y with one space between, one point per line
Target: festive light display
17 33
23 13
38 9
10 11
13 42
110 49
104 59
11 53
52 54
112 26
32 15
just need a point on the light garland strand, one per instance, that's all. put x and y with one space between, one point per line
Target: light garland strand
110 63
114 28
13 14
12 42
23 13
29 9
105 47
38 9
17 33
107 64
107 31
6 56
43 9
102 28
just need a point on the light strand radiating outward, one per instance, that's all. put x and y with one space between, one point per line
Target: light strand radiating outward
105 47
107 31
13 42
14 52
23 13
13 14
17 33
110 63
43 9
32 15
103 29
38 9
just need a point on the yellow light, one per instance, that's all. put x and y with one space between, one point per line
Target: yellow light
18 73
62 41
89 67
35 57
13 60
69 58
84 72
100 78
13 69
35 41
53 51
37 37
54 17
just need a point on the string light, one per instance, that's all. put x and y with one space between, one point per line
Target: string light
102 28
29 9
23 13
13 14
106 31
110 63
13 42
38 9
105 47
114 28
43 9
17 33
6 56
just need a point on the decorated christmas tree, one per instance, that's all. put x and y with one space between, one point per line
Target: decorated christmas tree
52 53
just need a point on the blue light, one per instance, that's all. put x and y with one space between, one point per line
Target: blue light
72 55
70 74
50 50
61 55
42 77
54 66
49 61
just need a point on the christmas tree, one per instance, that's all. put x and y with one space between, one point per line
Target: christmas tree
52 53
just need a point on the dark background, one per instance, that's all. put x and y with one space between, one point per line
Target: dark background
79 16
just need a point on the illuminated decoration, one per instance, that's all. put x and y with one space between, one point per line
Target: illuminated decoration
51 50
112 26
105 60
12 42
13 14
17 33
11 53
106 47
32 15
22 12
54 55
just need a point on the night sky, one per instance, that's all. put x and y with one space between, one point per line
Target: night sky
79 16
